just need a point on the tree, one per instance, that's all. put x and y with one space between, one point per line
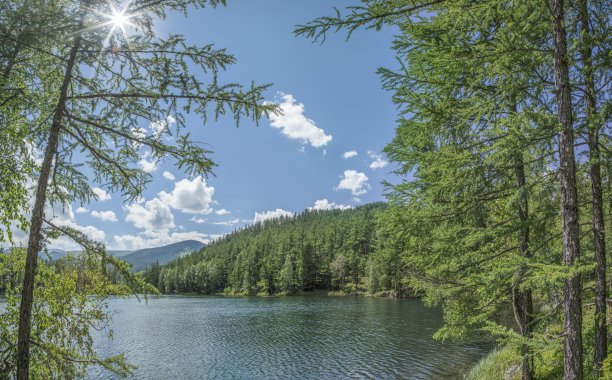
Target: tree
98 87
338 268
308 267
15 138
593 125
287 275
479 117
572 305
372 282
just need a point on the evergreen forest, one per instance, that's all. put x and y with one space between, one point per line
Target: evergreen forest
343 250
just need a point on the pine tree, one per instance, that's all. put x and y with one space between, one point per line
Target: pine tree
95 89
478 137
287 275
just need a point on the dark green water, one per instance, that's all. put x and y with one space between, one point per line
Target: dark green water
284 337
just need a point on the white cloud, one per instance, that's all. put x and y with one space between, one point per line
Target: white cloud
378 162
34 153
230 222
92 232
222 212
169 176
106 216
296 126
225 223
324 204
100 194
349 154
62 215
354 181
154 216
192 197
81 210
146 165
260 217
159 127
140 134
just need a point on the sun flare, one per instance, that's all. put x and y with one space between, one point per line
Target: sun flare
118 19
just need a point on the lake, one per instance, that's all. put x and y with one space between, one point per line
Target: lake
310 337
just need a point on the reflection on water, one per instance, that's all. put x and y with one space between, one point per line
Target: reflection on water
284 337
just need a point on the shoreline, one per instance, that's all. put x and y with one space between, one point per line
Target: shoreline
324 293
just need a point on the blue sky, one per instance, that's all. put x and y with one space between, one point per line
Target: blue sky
333 105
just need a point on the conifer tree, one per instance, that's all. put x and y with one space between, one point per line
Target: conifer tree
99 88
478 137
590 13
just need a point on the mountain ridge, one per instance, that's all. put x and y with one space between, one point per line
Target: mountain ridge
141 258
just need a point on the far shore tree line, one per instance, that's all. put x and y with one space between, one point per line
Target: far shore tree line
316 250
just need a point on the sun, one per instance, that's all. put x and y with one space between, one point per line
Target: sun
119 19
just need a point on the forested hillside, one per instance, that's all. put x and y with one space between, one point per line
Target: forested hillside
315 250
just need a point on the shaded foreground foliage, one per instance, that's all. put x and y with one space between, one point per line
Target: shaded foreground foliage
81 103
503 149
70 301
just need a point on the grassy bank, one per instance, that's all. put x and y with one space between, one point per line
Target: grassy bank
501 363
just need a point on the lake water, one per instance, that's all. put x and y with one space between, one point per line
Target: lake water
283 337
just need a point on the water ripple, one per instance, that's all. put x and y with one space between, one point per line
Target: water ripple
283 338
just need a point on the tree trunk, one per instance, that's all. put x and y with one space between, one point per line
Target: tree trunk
572 298
601 341
523 299
35 238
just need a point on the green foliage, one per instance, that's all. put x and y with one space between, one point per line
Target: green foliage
14 169
475 217
496 364
69 301
312 251
95 101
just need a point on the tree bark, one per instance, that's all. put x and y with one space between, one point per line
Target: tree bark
572 298
523 299
35 237
601 341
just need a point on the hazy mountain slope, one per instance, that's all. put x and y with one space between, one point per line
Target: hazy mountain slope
145 257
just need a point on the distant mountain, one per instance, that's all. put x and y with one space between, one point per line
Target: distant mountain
120 253
55 254
145 257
